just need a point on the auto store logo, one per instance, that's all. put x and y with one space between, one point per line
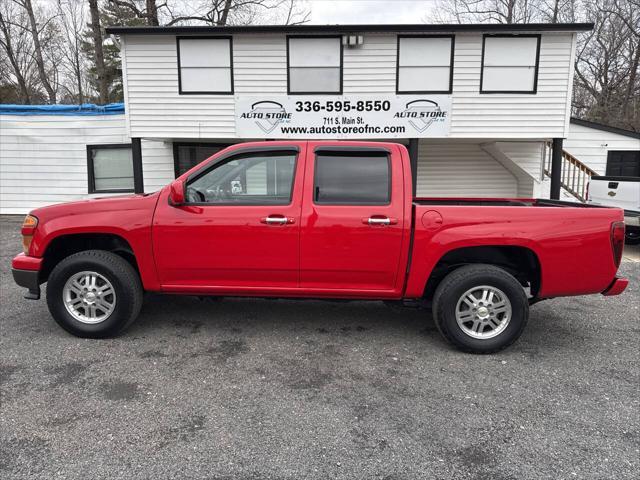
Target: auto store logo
267 115
422 114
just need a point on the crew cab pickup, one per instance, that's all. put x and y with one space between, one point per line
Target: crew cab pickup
313 219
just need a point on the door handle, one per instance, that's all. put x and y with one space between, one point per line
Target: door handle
380 221
277 220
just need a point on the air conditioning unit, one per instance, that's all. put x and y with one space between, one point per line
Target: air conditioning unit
352 40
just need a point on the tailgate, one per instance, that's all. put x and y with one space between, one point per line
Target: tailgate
621 192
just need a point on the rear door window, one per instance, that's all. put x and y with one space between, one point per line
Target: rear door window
352 178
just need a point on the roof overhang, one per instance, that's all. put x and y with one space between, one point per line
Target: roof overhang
382 28
605 128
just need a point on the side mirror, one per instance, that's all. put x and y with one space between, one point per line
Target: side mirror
176 193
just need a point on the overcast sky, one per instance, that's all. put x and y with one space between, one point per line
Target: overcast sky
368 11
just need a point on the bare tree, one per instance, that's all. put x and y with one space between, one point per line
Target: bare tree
236 12
607 85
556 11
12 40
72 19
35 29
478 11
146 10
215 12
98 52
628 12
296 14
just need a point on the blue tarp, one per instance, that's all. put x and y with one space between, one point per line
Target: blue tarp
70 110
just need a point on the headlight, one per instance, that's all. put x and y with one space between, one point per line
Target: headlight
28 228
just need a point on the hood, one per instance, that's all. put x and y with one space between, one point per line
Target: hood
94 205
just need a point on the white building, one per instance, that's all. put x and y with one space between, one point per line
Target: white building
593 149
606 150
52 154
477 105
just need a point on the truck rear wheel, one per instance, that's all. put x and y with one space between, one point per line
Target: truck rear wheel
480 308
94 294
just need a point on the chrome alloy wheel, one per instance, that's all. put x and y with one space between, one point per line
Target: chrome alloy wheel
89 297
483 312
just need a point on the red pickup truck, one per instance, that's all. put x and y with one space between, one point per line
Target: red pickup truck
318 220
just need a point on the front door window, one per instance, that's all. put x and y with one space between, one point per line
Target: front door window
250 179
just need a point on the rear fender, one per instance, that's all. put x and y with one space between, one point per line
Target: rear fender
425 259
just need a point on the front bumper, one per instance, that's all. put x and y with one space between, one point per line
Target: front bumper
28 279
617 287
26 273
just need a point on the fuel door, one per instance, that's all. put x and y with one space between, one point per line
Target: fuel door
432 220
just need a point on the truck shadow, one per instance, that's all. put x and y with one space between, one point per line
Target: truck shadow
186 317
190 315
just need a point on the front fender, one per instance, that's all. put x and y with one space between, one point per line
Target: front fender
131 223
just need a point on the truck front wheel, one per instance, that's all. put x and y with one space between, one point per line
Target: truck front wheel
480 308
94 294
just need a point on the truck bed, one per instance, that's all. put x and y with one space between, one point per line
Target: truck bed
570 242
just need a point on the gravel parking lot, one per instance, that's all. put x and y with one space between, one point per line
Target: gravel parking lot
257 389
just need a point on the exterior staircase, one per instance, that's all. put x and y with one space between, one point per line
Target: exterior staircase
575 174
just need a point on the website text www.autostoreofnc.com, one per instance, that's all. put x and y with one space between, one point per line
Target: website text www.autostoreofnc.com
342 129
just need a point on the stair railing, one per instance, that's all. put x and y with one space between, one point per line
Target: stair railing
574 175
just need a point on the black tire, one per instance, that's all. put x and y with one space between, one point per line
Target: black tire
123 277
632 238
451 289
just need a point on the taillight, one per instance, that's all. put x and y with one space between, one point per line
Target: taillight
617 241
28 228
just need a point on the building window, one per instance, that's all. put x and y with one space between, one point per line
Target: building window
623 163
110 168
314 65
425 64
205 65
352 178
510 63
188 155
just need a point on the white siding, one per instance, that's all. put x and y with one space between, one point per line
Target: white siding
260 64
371 68
458 169
157 164
544 191
125 86
527 155
156 110
590 145
540 115
43 159
522 159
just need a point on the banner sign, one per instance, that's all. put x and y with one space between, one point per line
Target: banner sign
343 116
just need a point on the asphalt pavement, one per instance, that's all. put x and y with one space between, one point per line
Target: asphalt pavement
259 389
